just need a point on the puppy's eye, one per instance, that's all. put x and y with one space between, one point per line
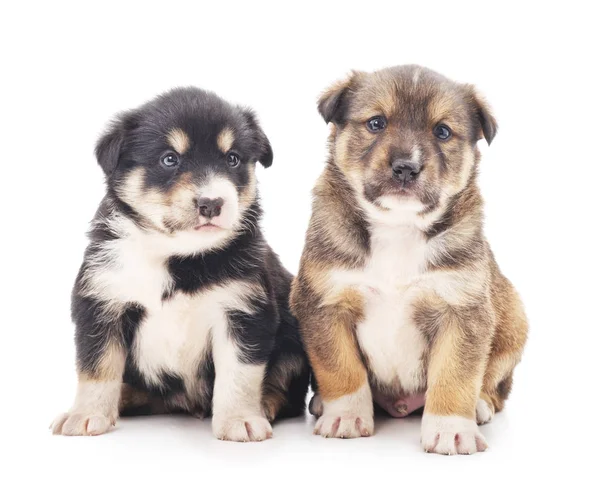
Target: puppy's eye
376 124
233 160
169 159
442 132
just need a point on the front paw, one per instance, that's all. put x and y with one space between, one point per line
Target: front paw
484 412
242 429
344 425
350 416
451 435
82 423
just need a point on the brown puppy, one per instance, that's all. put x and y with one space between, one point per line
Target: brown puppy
398 295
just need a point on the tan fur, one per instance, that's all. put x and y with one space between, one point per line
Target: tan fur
341 371
150 202
225 140
333 351
166 211
272 402
109 368
276 386
248 194
456 366
469 314
179 140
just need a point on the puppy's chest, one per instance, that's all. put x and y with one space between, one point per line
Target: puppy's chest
391 280
173 337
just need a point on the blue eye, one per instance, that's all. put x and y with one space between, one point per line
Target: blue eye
376 124
442 132
169 159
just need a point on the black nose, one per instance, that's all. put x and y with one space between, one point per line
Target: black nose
210 208
405 170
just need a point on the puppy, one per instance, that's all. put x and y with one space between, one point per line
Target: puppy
399 297
180 304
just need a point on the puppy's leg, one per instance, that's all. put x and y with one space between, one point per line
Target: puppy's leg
343 386
315 407
96 404
237 409
140 402
100 364
286 384
288 373
507 347
454 379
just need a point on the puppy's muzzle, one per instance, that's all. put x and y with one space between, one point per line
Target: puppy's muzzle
405 171
210 208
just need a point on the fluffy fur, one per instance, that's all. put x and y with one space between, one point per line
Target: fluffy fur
399 297
180 304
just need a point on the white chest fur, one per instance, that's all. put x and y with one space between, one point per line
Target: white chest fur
389 282
177 336
174 334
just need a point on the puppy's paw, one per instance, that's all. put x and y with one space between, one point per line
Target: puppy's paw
315 407
485 413
242 429
344 425
350 416
451 435
82 423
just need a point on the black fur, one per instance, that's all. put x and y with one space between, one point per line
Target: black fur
138 139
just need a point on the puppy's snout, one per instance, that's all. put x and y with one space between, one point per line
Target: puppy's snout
405 170
210 208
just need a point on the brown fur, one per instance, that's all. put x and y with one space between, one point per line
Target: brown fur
332 349
475 334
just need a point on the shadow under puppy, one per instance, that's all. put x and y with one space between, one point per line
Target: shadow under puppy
180 304
399 297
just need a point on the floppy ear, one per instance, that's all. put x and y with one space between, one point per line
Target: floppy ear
265 152
333 102
486 120
108 147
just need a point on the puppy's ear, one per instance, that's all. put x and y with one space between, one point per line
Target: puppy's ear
263 146
108 147
484 115
333 103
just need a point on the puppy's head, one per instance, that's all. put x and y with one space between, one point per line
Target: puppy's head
185 162
406 136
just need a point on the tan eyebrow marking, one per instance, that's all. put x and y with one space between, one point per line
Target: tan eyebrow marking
225 140
179 140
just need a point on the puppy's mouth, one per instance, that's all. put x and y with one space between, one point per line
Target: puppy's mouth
208 227
404 190
373 192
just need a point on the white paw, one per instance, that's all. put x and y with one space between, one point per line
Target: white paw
484 412
82 423
350 416
344 426
451 435
242 429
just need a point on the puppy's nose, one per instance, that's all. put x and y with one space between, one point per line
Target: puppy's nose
405 170
210 208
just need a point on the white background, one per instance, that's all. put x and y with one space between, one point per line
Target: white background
66 69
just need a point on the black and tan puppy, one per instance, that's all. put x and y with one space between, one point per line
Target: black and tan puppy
180 304
399 297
